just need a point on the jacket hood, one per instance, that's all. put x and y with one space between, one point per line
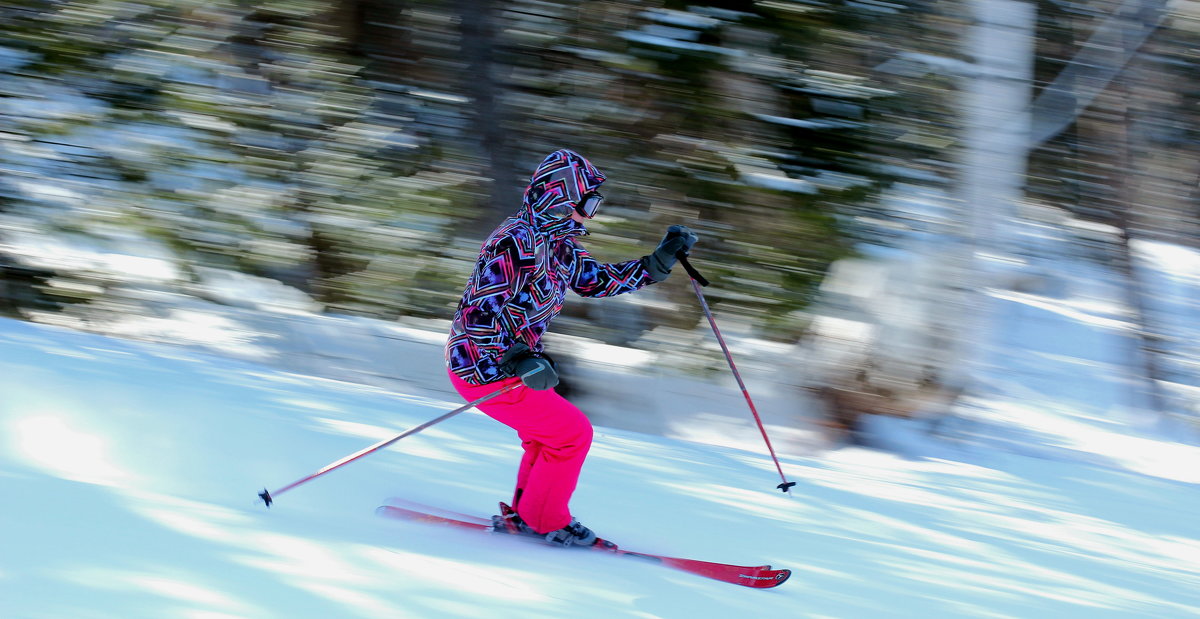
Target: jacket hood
556 186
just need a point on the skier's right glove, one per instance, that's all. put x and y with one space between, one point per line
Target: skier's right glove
537 372
658 264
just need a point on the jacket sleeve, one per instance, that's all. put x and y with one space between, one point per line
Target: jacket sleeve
591 278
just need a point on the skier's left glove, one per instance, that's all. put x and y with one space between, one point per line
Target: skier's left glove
658 264
537 373
534 369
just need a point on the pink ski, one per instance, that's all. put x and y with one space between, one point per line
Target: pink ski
758 577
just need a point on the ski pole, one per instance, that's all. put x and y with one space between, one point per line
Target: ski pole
697 281
269 497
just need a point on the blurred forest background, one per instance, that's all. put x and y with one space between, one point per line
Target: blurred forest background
359 150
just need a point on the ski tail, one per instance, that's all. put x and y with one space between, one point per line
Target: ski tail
429 509
403 513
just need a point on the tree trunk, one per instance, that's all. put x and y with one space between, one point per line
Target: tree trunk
478 45
997 124
1147 351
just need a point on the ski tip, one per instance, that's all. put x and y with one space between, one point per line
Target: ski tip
265 495
759 578
768 579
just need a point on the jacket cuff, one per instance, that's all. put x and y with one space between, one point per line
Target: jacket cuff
654 268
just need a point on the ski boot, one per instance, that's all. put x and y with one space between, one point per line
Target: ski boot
509 522
573 534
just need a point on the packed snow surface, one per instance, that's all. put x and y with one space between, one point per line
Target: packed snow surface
129 473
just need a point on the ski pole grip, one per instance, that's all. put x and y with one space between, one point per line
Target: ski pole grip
691 270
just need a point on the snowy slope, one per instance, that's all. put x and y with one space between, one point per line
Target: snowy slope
128 475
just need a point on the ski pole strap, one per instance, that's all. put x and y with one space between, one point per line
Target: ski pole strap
691 270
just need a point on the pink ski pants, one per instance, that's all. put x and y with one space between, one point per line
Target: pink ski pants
556 437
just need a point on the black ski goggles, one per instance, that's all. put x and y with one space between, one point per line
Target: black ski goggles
589 204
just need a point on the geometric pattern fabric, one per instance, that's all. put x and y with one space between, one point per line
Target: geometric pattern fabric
525 267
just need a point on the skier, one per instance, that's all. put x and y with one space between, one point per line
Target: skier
518 286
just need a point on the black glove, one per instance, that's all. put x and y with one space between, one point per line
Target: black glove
660 262
537 372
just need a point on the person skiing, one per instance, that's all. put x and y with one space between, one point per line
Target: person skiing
517 287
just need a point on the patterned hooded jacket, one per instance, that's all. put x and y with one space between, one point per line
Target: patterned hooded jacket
525 267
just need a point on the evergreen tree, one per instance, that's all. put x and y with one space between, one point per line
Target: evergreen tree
247 136
234 133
